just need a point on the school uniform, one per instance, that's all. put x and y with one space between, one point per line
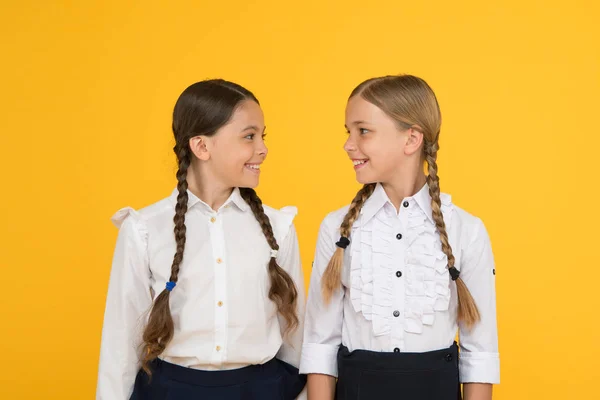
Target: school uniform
228 341
389 332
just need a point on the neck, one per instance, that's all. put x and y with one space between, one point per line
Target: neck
207 188
404 186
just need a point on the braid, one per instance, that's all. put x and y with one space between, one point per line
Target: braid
159 331
180 210
467 309
332 276
283 291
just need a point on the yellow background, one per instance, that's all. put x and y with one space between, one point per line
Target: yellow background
87 94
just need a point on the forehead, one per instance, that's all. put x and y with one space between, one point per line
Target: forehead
247 113
358 109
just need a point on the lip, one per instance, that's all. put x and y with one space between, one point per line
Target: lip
256 171
365 161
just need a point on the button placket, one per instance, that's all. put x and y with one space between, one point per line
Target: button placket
397 307
217 239
399 273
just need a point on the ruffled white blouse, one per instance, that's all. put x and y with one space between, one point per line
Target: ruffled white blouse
397 294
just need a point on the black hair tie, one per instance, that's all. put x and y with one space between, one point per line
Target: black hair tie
454 273
343 242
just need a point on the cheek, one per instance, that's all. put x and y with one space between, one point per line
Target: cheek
383 155
235 156
375 149
245 153
239 158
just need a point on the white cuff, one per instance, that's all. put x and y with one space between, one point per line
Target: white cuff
479 367
319 359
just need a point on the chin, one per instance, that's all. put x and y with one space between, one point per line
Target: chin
248 183
365 179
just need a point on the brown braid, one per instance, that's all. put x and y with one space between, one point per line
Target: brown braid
201 110
159 331
332 276
467 309
283 291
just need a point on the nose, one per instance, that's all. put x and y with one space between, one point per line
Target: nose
261 149
349 146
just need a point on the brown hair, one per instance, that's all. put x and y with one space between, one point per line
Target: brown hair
410 102
202 109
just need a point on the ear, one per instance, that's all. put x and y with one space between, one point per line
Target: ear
199 148
414 140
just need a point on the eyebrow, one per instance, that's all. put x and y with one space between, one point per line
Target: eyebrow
356 123
253 127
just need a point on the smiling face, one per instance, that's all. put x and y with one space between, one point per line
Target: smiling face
375 144
233 155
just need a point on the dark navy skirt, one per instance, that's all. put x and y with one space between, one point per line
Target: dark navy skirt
274 380
369 375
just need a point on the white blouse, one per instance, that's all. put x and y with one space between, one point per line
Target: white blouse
397 292
221 311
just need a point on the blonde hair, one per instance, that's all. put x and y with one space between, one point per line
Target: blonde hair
412 104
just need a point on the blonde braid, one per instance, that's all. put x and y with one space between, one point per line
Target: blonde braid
467 309
332 276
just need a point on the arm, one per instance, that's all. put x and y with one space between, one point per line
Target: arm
477 391
321 387
128 299
289 259
479 359
323 323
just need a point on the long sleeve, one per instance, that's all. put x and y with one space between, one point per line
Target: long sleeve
479 358
289 259
127 302
323 323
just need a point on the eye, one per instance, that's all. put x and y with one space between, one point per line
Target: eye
249 136
363 131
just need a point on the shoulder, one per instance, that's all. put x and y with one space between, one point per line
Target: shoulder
330 226
281 220
470 227
337 216
128 218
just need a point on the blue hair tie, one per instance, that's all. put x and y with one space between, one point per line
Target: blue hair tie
170 285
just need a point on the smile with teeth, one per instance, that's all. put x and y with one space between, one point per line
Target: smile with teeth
359 163
253 167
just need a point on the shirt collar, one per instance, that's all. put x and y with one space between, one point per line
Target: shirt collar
379 199
235 198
